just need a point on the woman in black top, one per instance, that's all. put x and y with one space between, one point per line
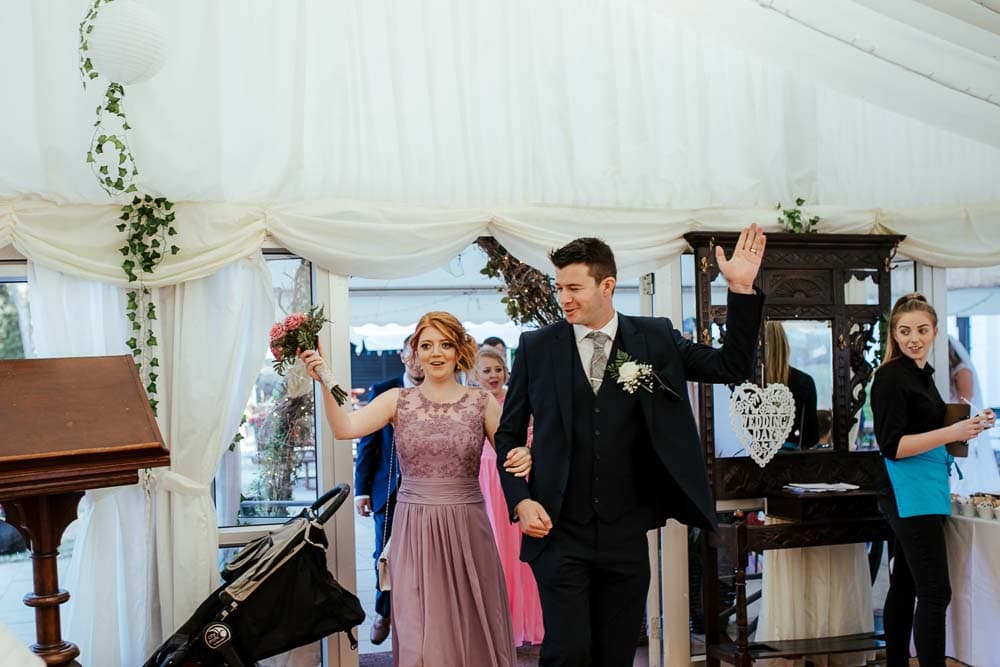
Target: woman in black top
805 432
908 414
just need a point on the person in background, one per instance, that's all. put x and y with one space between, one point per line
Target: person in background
824 426
908 412
491 374
497 342
980 471
804 433
374 493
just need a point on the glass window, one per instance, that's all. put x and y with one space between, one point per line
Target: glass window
15 323
972 319
269 472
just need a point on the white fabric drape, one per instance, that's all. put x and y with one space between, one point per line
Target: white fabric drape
974 569
108 613
815 592
214 340
472 103
362 239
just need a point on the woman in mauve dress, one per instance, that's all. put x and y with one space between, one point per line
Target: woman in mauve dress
491 374
449 601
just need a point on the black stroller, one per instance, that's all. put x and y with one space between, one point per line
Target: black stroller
278 595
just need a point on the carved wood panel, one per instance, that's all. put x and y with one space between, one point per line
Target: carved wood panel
803 277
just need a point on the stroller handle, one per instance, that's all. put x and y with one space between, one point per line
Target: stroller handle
336 497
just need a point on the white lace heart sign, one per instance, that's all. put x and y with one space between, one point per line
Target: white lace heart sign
762 418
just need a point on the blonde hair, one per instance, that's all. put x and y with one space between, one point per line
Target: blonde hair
776 359
488 351
913 302
453 331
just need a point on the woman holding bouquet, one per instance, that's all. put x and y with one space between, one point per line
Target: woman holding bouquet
909 414
449 602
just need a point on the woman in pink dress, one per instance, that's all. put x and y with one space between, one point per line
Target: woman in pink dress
522 591
449 603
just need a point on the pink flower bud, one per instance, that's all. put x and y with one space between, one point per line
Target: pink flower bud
277 332
294 321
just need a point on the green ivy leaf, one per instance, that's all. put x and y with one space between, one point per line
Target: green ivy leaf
151 340
174 250
136 326
154 362
132 343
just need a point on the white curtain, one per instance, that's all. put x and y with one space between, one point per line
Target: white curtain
474 103
391 241
214 341
108 612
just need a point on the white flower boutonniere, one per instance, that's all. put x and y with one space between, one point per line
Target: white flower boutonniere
630 374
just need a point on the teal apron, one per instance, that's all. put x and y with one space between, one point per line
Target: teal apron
920 483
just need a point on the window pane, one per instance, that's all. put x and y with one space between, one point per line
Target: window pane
269 472
15 330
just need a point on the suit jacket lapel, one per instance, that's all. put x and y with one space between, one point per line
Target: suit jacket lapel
563 358
633 342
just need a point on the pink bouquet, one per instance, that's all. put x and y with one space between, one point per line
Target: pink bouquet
297 332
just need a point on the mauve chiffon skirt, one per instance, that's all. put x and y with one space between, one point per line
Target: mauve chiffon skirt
449 600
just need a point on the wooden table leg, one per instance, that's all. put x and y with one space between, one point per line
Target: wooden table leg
42 520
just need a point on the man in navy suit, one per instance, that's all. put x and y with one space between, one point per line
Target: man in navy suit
374 494
609 464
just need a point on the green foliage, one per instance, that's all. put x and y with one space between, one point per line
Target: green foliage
146 221
87 71
791 219
239 433
288 430
530 294
110 157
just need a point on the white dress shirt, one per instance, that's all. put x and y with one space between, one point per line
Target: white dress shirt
585 346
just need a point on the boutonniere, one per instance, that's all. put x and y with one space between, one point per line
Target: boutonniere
631 374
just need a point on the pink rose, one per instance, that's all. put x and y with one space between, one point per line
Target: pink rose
294 321
277 353
277 332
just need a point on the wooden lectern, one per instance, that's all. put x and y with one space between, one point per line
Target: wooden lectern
67 425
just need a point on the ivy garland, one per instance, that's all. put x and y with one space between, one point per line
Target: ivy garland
109 149
791 219
147 221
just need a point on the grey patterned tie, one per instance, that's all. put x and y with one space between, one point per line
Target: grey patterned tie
598 362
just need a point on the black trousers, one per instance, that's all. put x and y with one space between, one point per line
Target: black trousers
383 601
919 573
592 580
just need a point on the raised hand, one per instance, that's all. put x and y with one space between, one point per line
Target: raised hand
741 269
534 520
518 461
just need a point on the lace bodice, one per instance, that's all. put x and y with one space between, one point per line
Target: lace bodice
440 440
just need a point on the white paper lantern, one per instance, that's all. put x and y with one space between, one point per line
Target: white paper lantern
127 43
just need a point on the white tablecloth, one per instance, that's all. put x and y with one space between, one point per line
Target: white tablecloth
816 592
974 614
